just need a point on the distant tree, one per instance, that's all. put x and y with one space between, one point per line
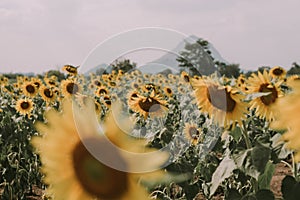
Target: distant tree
295 69
60 76
231 70
197 58
124 65
262 68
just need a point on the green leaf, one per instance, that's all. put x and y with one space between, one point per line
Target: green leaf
223 171
233 194
236 133
264 195
265 178
260 156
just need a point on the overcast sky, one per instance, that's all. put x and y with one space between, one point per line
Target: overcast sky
37 35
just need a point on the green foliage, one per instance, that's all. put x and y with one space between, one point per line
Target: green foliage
295 69
124 65
231 70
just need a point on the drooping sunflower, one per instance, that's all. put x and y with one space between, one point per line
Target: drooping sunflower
152 105
47 94
69 88
222 103
192 133
277 72
24 106
287 117
261 83
29 89
84 167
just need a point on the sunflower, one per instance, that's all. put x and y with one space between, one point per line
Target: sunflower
261 83
101 91
29 89
168 91
277 72
24 106
37 82
192 133
287 118
222 103
69 88
152 105
107 101
70 69
50 82
185 76
47 94
72 166
135 85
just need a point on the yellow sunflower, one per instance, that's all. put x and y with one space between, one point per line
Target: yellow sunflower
70 69
37 82
152 105
192 133
168 91
287 117
47 94
185 76
101 91
261 83
24 106
69 88
29 89
72 166
222 103
277 72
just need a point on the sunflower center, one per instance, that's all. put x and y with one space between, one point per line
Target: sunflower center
97 83
149 105
96 178
220 98
37 84
186 78
30 89
194 133
25 105
72 88
102 91
48 93
169 91
270 98
278 71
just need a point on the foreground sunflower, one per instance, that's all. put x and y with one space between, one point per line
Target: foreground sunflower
261 83
47 94
24 106
73 173
287 117
152 105
222 103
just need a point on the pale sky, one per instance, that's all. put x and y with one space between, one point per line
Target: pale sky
38 35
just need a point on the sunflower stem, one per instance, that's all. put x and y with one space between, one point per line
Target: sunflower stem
246 137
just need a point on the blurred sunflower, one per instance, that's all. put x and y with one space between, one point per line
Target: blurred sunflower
71 70
73 173
287 118
168 91
24 106
261 83
29 89
47 94
185 76
102 90
36 81
69 88
277 72
107 101
192 133
152 105
222 103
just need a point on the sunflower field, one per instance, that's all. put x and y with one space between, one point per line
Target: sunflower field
132 135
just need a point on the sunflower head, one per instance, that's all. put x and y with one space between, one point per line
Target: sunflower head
29 89
277 72
70 88
24 106
70 69
192 133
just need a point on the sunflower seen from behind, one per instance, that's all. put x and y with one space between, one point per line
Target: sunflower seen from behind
73 173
